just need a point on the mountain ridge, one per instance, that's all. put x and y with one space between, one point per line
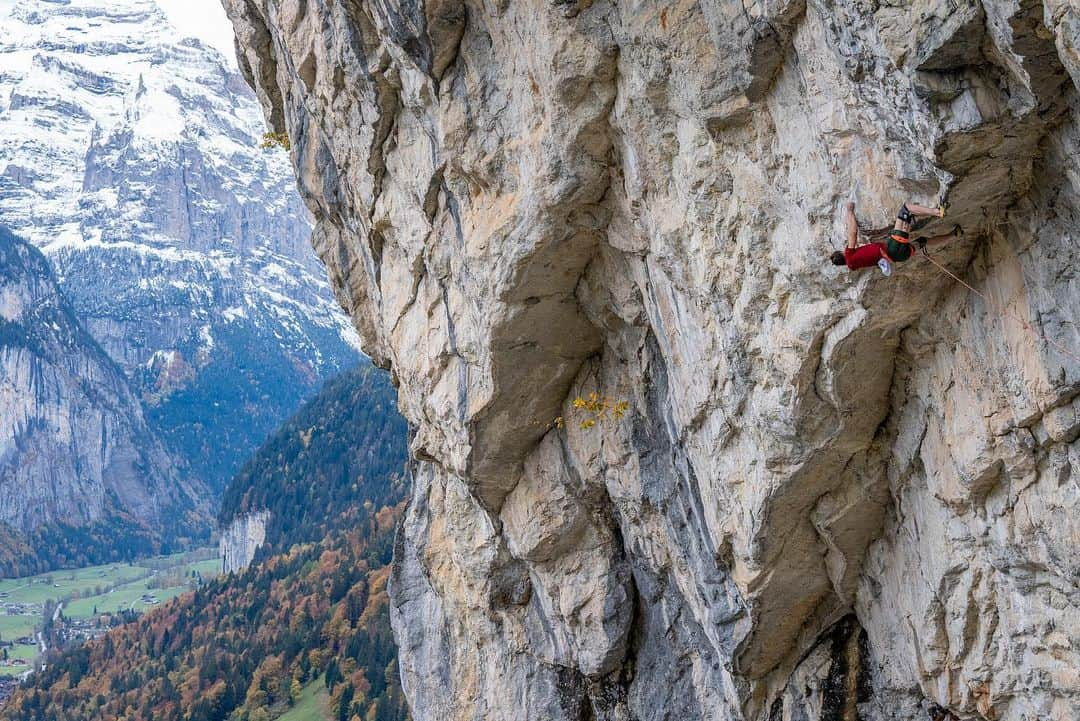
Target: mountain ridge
68 412
132 159
311 615
348 442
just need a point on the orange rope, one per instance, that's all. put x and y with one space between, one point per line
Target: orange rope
1001 311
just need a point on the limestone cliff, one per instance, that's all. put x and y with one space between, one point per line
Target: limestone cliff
832 495
241 539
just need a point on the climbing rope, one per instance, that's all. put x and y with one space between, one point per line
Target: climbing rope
1002 311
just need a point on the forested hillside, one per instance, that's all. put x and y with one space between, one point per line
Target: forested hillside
245 647
342 454
305 631
117 537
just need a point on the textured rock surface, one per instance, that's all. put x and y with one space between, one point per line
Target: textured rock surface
240 539
833 496
131 157
74 447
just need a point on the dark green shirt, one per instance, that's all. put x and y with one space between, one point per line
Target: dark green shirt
898 252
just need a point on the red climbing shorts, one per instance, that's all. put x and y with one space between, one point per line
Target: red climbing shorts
865 256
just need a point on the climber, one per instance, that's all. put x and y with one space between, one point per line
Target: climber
897 247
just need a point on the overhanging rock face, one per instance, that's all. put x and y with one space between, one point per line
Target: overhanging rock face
832 496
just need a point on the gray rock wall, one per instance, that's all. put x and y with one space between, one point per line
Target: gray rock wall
831 495
241 539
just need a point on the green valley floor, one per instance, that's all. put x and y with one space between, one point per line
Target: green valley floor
81 602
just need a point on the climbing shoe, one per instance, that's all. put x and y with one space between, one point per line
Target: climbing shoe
886 267
958 231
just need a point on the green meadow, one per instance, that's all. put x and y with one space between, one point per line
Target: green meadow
94 590
312 705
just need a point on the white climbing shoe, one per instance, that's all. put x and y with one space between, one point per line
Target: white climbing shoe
886 267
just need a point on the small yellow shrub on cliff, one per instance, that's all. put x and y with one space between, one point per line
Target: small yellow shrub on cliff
275 140
595 408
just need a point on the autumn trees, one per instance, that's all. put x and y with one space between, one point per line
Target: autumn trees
243 647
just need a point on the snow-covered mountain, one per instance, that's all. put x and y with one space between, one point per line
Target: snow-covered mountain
131 158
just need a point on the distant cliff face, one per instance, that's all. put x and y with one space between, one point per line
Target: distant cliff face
831 495
241 539
75 449
131 158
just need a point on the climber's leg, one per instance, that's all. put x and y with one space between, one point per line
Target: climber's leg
921 211
909 213
852 227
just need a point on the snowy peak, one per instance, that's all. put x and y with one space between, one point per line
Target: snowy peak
89 88
132 159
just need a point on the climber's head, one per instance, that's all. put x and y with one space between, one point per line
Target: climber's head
837 258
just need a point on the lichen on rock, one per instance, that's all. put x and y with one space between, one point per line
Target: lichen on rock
833 495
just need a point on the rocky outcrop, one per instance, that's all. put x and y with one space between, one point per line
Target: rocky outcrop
241 539
831 495
74 446
130 156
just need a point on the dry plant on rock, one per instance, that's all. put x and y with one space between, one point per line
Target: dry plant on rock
275 140
595 408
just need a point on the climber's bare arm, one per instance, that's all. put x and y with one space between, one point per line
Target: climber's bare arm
852 227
